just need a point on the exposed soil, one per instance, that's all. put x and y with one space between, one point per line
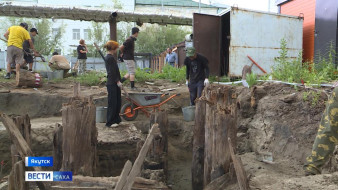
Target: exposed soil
273 119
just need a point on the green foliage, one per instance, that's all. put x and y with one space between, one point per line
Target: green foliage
156 39
91 78
169 73
293 70
314 96
305 96
265 77
251 79
219 79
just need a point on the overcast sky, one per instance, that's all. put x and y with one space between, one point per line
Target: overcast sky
261 5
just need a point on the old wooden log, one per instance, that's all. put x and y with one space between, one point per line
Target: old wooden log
16 180
27 78
159 148
197 169
219 183
124 175
57 147
79 135
108 183
19 142
220 124
242 179
24 126
136 169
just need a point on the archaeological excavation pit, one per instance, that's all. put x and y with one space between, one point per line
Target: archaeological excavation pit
274 128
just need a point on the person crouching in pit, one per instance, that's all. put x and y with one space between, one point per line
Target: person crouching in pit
114 85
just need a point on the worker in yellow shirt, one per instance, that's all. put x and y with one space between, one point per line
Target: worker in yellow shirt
16 35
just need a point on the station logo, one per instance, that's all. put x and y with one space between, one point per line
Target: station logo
48 176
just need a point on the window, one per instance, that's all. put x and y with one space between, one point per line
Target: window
86 33
55 31
76 34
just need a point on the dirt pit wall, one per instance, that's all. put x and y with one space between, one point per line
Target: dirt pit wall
279 119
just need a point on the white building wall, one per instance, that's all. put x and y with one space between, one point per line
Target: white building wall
175 11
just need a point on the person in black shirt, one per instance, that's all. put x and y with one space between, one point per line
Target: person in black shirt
197 73
127 53
82 56
114 85
27 53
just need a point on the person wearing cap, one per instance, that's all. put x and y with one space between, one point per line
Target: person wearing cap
197 73
127 53
27 53
114 85
15 36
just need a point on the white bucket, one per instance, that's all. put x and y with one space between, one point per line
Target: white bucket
101 114
189 113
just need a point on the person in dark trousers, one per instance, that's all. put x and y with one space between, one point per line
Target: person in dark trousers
27 53
82 56
197 73
127 53
114 85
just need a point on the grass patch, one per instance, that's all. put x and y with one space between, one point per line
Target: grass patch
170 73
293 70
92 78
251 79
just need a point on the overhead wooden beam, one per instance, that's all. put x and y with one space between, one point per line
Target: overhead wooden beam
88 14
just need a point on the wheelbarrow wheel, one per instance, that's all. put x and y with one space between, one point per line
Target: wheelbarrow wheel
128 113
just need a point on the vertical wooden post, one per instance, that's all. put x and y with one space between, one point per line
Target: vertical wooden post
159 149
197 170
17 177
18 167
79 136
221 124
113 31
57 147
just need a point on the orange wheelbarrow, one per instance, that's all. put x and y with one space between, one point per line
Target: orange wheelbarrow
142 101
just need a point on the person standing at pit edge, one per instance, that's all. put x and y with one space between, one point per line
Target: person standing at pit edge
28 57
127 54
16 35
197 73
327 137
114 85
82 56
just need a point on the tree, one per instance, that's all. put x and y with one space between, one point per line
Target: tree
155 39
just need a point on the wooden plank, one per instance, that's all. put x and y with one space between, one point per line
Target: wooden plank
167 90
124 174
16 136
57 147
19 142
78 120
220 123
197 169
77 89
242 179
17 177
219 183
158 151
140 158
